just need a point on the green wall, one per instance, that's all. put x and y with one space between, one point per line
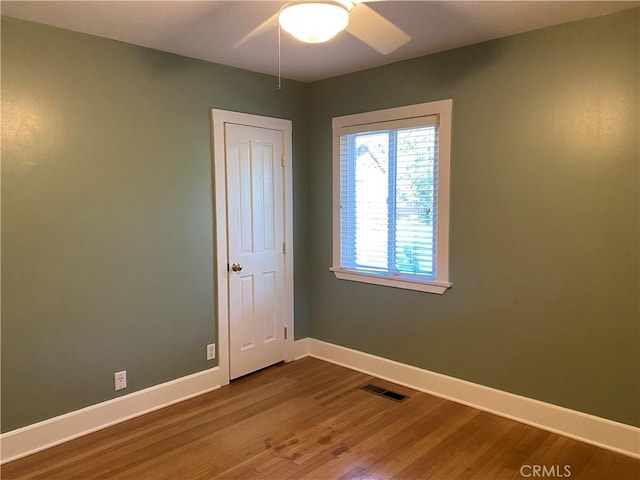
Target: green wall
107 221
544 222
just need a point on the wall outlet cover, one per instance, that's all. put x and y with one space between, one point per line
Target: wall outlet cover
120 380
211 351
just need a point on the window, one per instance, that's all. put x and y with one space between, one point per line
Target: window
391 197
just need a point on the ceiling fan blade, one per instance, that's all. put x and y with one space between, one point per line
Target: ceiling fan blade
269 23
376 31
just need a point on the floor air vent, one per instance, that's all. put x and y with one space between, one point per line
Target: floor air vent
398 397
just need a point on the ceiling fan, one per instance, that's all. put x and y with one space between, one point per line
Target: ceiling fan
317 21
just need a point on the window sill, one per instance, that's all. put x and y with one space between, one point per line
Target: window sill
392 281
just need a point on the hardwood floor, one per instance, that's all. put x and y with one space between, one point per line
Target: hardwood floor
310 419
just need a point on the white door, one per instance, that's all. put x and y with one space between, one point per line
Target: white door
255 229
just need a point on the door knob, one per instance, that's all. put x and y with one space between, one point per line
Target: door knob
236 267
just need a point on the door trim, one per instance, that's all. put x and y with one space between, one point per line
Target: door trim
218 120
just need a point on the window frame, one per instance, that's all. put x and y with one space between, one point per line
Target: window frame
400 115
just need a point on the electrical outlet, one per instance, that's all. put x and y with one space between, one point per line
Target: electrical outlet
211 351
120 380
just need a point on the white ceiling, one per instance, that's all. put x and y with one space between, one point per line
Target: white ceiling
211 30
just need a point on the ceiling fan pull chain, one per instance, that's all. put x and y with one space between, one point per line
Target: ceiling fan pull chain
279 61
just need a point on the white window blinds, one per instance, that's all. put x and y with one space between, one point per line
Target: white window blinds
391 176
388 197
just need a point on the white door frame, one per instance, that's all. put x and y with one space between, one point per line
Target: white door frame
218 119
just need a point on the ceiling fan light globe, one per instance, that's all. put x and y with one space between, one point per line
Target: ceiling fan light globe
314 22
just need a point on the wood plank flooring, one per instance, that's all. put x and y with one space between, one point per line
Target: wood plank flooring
311 420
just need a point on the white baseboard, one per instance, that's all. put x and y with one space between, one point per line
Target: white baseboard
48 433
300 349
597 431
587 428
